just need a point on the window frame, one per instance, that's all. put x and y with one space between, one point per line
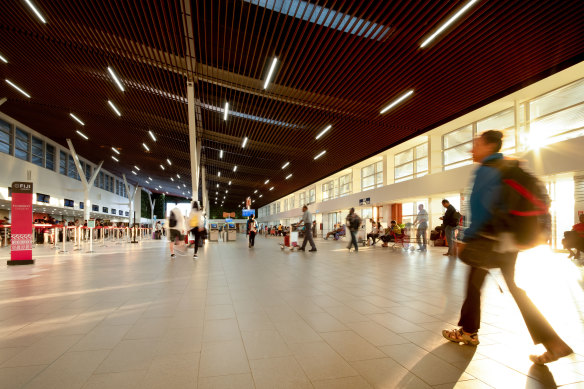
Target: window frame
375 175
413 162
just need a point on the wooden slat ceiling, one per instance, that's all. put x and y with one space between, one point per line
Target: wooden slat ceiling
326 75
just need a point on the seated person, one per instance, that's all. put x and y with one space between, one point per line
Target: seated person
374 233
390 233
575 239
333 232
341 233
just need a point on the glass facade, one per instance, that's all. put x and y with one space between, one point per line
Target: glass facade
37 151
50 157
5 137
372 176
21 144
411 163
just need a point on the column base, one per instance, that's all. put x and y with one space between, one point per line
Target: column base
23 262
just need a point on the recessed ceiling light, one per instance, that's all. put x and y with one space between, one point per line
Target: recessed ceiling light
82 134
115 151
162 167
116 79
271 72
229 183
260 196
244 143
235 168
285 165
289 175
220 153
178 176
226 111
114 108
397 101
320 154
145 146
255 191
152 135
324 131
36 11
17 88
217 185
448 23
77 119
266 182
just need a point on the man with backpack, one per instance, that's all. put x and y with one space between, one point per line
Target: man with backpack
354 222
509 209
450 222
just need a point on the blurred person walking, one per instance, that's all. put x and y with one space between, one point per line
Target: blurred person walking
176 226
422 223
196 225
482 251
354 222
307 221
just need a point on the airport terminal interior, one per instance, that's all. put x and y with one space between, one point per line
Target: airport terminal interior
291 194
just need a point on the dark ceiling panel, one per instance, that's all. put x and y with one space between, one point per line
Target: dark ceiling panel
340 74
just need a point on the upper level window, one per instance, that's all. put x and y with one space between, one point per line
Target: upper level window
372 176
37 151
292 202
22 143
63 162
503 121
312 196
457 146
411 163
345 184
87 169
328 190
302 199
50 156
5 137
73 169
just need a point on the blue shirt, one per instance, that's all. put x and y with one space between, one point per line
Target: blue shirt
484 196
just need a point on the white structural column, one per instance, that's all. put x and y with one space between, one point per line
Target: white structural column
152 204
131 194
86 185
205 197
193 140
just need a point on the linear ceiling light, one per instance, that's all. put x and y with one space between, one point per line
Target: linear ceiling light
271 72
260 196
152 135
219 174
445 25
162 167
171 179
324 131
244 143
77 119
229 183
145 146
217 185
320 154
397 101
220 153
168 161
136 167
272 188
266 182
178 176
17 88
82 134
115 159
235 168
116 79
288 176
3 59
255 191
114 108
150 179
134 173
226 111
36 11
285 165
115 151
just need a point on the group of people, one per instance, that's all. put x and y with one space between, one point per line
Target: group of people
179 225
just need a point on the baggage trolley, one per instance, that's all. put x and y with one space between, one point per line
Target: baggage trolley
290 241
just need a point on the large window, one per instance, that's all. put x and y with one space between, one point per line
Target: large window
22 143
5 137
101 180
328 190
411 163
504 122
73 169
87 170
63 162
50 157
302 199
37 151
457 146
312 196
292 202
557 115
372 176
345 184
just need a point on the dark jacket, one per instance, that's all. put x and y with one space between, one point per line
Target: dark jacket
449 219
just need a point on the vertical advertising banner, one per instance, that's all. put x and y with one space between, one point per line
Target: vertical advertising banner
21 222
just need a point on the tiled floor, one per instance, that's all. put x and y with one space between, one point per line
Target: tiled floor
130 317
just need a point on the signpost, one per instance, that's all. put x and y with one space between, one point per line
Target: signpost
91 226
21 235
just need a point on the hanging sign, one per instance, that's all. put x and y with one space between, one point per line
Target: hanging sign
21 232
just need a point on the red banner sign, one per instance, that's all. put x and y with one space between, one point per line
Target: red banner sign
21 222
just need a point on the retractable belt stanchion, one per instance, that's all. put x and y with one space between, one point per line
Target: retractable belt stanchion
55 237
64 250
77 239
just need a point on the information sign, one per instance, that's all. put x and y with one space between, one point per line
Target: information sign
91 223
21 233
247 212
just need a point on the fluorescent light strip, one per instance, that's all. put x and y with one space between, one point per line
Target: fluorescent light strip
229 183
116 79
35 10
114 108
288 176
171 179
397 101
178 176
17 88
136 167
150 179
115 151
320 154
219 174
115 159
255 191
260 196
235 168
266 183
3 59
82 134
226 111
448 23
162 167
244 143
324 131
134 173
220 153
272 188
152 136
270 73
77 119
168 161
217 185
285 165
145 146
